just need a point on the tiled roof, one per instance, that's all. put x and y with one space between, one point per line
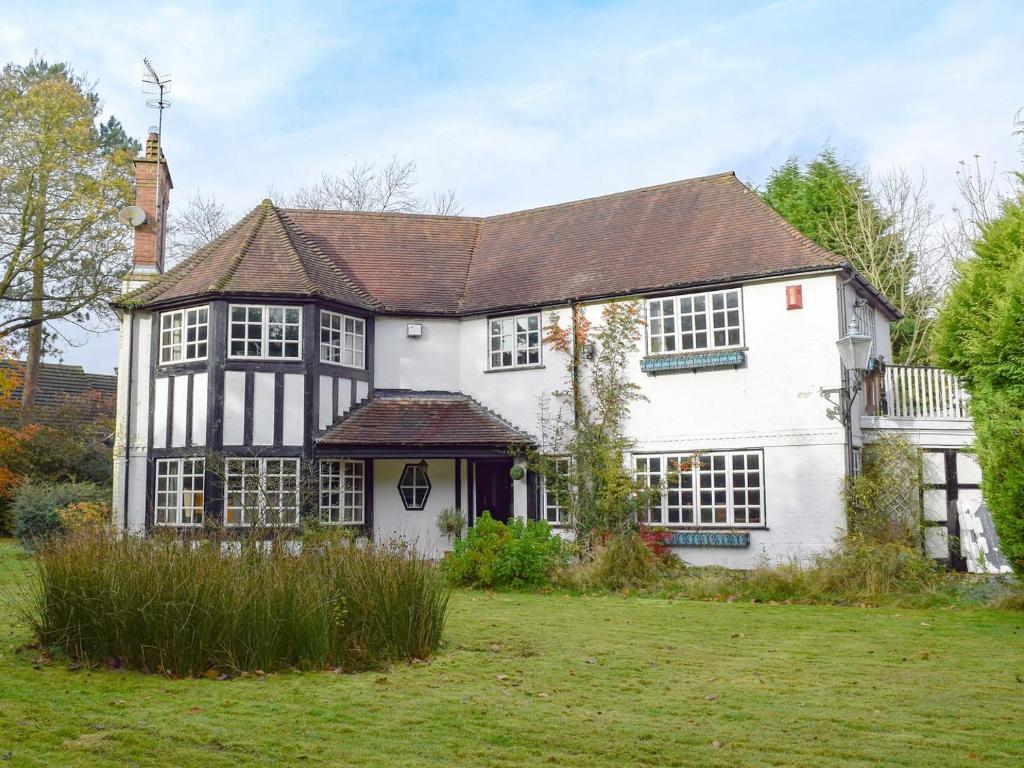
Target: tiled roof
263 253
424 419
59 386
686 233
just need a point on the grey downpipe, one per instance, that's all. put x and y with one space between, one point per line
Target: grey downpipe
128 415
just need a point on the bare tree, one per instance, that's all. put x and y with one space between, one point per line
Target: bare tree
200 221
366 187
892 241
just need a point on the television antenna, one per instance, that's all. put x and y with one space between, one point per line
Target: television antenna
156 87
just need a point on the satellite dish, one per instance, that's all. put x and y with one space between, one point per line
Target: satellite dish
132 216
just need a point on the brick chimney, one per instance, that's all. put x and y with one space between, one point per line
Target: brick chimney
148 258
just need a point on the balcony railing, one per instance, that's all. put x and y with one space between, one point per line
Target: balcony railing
919 392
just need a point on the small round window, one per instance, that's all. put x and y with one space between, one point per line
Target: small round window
414 485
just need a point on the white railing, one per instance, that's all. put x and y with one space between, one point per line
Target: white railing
923 392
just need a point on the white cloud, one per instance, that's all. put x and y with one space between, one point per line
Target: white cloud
522 112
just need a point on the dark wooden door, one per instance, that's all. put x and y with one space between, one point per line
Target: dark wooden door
493 489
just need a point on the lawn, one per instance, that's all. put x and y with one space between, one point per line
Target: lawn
561 680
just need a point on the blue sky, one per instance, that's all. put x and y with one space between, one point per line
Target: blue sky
522 104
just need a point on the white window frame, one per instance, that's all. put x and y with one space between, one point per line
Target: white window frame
676 325
264 338
170 502
690 495
345 342
552 511
268 497
175 345
342 491
510 341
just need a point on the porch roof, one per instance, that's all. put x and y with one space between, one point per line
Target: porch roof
406 419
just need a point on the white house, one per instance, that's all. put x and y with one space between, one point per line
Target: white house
396 364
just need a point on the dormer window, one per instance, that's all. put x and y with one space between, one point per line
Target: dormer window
184 334
695 322
267 332
342 340
514 342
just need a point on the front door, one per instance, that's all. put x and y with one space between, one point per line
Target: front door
493 489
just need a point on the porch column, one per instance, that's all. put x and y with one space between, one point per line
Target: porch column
519 491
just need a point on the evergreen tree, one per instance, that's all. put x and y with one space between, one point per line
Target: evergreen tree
980 337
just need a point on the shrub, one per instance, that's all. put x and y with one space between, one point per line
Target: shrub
625 562
85 516
857 571
35 507
497 555
180 608
883 503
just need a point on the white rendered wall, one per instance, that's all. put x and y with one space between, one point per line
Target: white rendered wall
428 362
391 521
772 403
515 394
131 441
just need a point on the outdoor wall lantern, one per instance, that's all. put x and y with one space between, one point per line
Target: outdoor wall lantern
855 352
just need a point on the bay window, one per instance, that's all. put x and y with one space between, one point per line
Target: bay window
184 334
179 497
342 339
717 489
268 332
695 322
261 491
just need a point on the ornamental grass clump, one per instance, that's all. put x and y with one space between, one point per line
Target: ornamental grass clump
182 608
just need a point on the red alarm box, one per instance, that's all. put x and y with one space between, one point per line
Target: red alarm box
794 297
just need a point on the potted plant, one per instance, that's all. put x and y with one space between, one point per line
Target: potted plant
451 521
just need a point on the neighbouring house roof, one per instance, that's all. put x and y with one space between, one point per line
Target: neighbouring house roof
60 386
700 231
396 418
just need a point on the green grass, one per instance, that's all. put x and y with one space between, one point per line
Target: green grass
561 680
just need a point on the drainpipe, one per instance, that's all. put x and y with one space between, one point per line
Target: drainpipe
128 414
848 426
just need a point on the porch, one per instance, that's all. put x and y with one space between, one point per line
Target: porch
424 452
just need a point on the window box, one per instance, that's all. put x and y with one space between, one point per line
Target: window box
736 539
694 361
